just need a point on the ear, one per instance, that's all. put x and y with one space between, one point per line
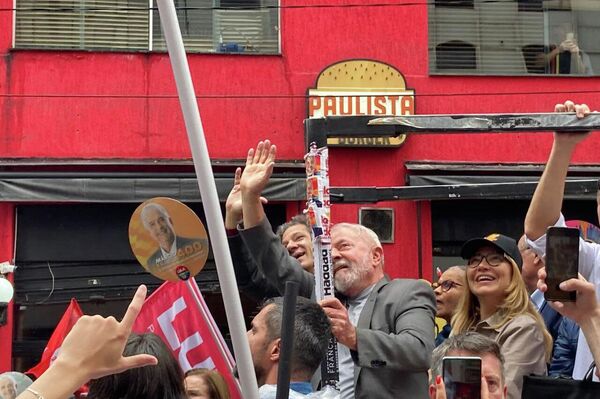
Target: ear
505 392
274 349
377 255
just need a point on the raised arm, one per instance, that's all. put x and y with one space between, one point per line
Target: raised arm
585 311
93 349
546 203
249 278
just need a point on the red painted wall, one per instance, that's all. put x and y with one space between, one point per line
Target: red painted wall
124 105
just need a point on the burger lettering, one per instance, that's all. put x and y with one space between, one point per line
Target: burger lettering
361 87
333 105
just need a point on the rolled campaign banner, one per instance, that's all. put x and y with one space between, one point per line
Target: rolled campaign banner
319 219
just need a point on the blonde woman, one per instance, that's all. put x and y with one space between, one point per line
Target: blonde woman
496 304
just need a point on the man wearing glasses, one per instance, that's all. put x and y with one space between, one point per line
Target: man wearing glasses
448 291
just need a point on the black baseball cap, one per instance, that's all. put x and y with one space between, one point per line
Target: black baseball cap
499 241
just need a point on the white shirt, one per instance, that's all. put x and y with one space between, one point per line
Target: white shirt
589 257
268 391
172 252
355 306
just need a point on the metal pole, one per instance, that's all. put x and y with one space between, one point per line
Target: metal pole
210 199
288 319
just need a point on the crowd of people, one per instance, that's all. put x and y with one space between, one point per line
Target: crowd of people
493 305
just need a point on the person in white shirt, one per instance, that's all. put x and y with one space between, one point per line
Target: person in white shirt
545 211
311 335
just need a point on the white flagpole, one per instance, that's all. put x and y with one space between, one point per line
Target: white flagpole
210 199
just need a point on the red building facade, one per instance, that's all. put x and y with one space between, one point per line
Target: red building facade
113 113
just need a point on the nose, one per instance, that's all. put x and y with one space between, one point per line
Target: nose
438 290
335 254
483 265
291 245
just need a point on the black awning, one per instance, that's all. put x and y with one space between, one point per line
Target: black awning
462 181
118 189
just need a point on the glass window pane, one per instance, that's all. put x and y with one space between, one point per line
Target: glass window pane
82 24
514 37
230 26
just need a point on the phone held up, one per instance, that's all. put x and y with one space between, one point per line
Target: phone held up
562 261
462 377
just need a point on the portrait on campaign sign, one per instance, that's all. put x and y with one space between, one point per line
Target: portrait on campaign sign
12 384
168 239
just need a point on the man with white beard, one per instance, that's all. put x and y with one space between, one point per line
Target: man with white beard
386 332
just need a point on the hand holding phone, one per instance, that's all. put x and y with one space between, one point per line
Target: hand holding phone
462 377
562 262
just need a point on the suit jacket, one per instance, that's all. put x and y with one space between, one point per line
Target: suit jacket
182 242
395 338
552 319
250 280
565 348
269 265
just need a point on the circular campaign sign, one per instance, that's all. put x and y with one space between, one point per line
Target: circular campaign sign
168 239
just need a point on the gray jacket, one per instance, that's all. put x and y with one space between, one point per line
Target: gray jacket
395 338
262 264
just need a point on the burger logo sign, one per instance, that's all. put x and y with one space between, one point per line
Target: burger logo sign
361 87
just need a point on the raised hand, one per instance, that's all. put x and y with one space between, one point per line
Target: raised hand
581 110
584 307
95 344
341 327
258 170
92 349
233 205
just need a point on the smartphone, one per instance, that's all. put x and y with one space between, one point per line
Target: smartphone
562 261
462 377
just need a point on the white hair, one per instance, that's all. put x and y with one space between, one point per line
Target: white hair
362 231
153 206
9 378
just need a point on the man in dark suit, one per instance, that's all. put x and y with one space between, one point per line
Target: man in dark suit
158 222
386 334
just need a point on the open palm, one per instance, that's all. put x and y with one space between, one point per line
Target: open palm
259 167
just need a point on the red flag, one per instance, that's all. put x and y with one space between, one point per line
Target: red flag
72 314
177 313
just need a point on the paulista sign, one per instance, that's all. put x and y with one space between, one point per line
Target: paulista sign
361 87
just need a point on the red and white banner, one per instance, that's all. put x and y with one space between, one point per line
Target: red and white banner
68 320
178 314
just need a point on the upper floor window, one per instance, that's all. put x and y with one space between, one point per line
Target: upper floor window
209 26
454 3
514 37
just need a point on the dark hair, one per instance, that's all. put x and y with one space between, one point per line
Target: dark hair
217 386
311 333
300 219
471 342
163 381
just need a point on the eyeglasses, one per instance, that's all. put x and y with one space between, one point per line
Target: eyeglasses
491 259
446 285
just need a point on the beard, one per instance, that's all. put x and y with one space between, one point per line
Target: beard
354 272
